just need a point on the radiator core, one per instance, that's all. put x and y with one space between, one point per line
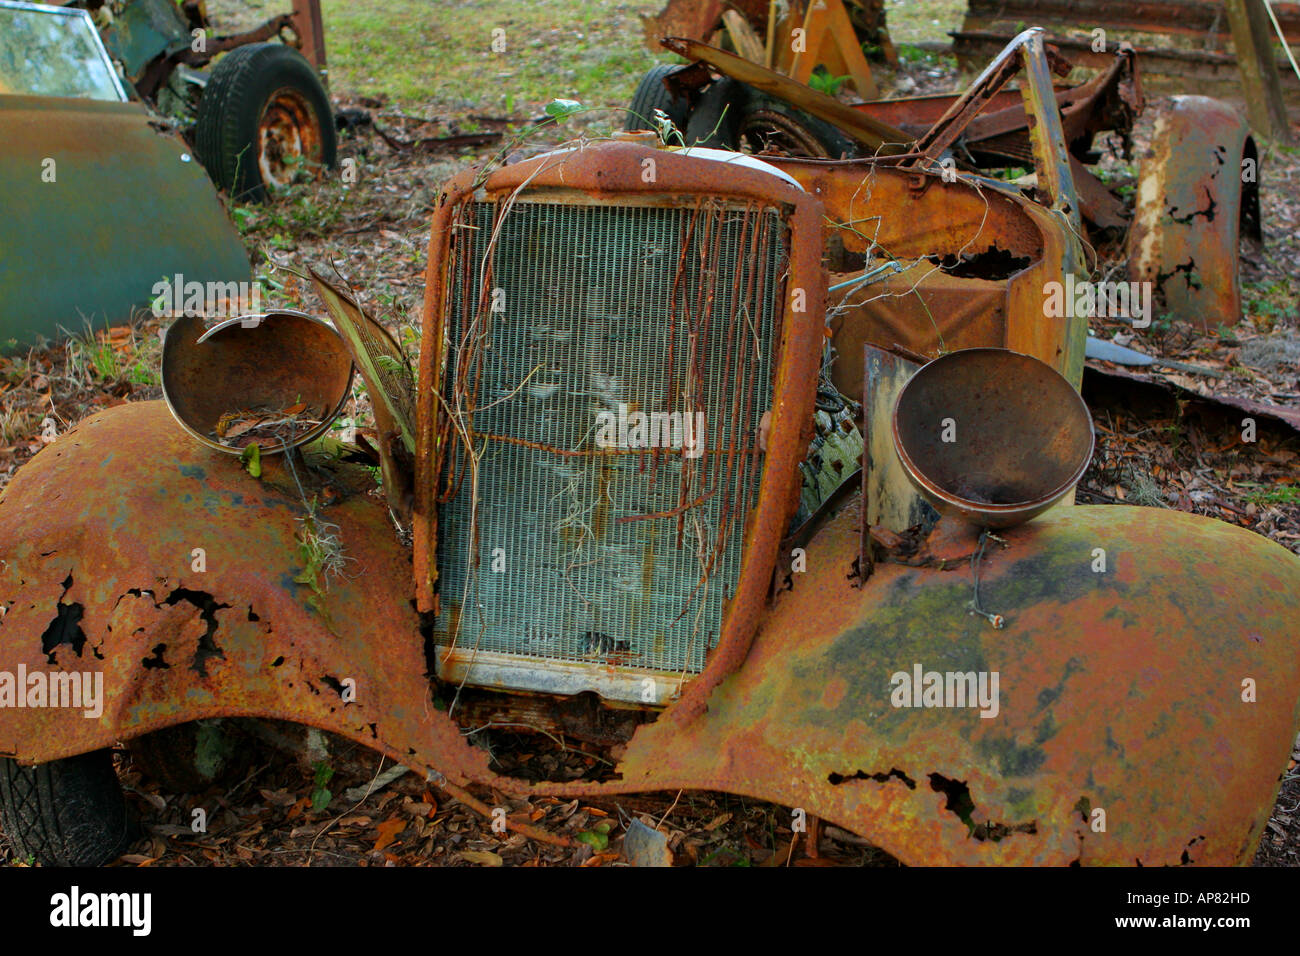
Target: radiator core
567 534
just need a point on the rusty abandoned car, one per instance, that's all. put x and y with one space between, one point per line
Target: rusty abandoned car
588 511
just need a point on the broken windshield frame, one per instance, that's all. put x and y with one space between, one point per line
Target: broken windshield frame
54 51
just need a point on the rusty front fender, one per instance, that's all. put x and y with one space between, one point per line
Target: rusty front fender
1197 188
1120 691
102 536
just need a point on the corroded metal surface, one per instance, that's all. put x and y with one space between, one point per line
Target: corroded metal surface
288 136
110 582
970 430
1004 249
1197 187
1118 690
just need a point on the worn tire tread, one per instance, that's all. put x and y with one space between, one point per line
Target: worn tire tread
225 132
68 812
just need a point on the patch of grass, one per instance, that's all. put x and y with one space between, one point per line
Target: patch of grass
823 82
1277 495
911 21
1145 491
415 52
17 424
915 56
94 359
1269 304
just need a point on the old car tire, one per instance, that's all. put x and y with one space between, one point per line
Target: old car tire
651 95
765 121
263 116
191 757
715 121
67 812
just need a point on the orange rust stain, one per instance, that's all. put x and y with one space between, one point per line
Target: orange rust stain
834 692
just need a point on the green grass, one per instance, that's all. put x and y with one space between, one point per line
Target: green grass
913 21
1268 303
441 57
1277 495
94 360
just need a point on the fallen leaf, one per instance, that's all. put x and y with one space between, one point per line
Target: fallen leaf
388 831
482 857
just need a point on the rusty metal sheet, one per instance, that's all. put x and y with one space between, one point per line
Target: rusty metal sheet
1178 40
945 312
1189 209
126 206
172 572
1010 247
1109 682
1286 415
1119 691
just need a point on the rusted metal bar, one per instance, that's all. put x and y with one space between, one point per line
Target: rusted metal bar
864 129
1204 20
309 26
1051 157
965 108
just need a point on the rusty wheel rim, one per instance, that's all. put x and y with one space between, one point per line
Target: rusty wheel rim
767 131
288 138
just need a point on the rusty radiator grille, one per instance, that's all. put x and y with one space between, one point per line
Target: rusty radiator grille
595 541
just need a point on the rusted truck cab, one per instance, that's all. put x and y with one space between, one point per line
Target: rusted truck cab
1097 685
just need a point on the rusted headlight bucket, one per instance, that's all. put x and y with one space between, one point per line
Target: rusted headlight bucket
270 360
991 435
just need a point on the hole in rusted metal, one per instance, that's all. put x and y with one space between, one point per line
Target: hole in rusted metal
994 263
66 626
208 608
333 683
962 804
155 660
894 774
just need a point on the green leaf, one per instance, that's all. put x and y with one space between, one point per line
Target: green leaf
595 839
320 799
562 109
251 457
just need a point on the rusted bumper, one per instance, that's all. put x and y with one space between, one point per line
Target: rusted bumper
1119 690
